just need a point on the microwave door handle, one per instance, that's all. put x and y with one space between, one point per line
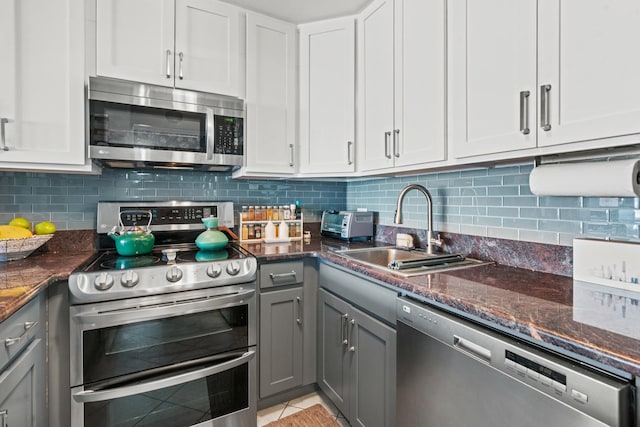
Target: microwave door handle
211 135
102 395
161 310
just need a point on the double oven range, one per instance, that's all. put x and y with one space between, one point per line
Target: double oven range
167 338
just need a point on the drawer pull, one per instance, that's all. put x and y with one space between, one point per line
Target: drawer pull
4 415
280 276
11 341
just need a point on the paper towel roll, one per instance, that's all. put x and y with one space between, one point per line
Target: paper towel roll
616 178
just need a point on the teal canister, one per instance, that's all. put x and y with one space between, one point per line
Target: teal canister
212 239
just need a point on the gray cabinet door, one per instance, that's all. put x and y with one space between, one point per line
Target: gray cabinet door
372 349
280 340
333 369
22 398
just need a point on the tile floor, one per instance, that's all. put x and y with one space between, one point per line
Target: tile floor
282 410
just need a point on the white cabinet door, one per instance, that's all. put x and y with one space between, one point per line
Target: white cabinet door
588 55
327 96
135 40
375 96
492 64
42 84
207 46
271 98
420 81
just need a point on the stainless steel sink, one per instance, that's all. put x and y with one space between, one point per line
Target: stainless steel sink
408 262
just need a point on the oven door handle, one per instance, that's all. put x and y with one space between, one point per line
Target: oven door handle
102 395
161 309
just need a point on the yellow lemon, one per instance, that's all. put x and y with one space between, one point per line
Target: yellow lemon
20 222
45 227
13 232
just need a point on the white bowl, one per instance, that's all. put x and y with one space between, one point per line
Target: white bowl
13 249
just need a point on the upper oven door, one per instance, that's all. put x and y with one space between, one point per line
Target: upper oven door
124 338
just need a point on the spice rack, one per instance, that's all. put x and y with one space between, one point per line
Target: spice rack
254 231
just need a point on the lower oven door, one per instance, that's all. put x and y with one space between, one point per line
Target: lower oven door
220 393
177 359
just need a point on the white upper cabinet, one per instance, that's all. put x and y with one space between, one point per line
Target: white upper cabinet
42 85
327 97
402 85
420 89
588 56
271 97
375 81
492 76
189 44
542 73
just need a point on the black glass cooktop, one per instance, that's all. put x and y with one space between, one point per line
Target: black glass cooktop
110 260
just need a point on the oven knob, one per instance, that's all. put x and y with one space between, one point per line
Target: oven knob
214 270
233 268
174 274
129 279
103 282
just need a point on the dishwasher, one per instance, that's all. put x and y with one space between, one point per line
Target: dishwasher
455 373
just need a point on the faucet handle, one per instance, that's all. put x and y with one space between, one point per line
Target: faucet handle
436 240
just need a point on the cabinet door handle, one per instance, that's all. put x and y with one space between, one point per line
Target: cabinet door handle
180 75
11 341
278 276
300 311
4 417
343 319
350 327
349 147
291 155
545 111
396 135
387 135
3 135
524 112
168 63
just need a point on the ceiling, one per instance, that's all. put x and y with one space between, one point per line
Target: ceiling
299 11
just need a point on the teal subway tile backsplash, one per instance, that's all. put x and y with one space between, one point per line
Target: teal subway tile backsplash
493 202
70 200
500 204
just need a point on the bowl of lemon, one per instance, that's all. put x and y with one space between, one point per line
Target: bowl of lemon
17 241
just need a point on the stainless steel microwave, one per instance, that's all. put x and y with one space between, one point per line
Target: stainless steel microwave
140 125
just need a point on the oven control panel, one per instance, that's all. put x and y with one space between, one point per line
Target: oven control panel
165 216
94 286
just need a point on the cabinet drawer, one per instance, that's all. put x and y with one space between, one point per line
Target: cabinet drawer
281 274
18 330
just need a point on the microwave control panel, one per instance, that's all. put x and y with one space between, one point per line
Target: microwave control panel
228 135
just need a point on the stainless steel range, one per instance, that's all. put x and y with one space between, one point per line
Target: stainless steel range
166 338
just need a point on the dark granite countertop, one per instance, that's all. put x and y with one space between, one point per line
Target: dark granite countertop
23 279
535 306
538 307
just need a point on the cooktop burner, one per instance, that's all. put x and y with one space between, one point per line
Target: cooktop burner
110 260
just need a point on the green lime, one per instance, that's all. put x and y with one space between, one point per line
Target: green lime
45 227
21 222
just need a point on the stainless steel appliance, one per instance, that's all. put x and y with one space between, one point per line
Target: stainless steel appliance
168 338
347 225
140 125
454 373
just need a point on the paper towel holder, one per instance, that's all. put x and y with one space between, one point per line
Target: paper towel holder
602 154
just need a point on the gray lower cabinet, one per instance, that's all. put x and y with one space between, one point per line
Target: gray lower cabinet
356 365
287 331
22 376
281 335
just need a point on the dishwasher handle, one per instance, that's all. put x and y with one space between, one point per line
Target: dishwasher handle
475 350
